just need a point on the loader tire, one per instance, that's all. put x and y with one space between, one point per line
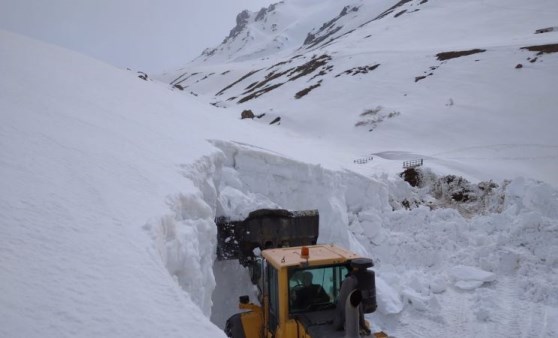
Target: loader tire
233 327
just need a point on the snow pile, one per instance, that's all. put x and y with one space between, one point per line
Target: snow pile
434 259
427 261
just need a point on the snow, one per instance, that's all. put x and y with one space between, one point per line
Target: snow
110 184
469 277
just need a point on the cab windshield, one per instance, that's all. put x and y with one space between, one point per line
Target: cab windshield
315 288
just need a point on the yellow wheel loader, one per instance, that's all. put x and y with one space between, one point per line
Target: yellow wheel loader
306 290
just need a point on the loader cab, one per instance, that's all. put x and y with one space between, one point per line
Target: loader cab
299 290
314 288
301 287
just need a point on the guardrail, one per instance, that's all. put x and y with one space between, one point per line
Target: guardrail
363 160
413 163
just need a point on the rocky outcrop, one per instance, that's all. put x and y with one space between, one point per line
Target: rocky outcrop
241 22
327 29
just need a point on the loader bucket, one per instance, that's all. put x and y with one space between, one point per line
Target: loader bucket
265 229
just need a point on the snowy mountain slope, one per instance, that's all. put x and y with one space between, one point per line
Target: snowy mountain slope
81 172
279 27
389 54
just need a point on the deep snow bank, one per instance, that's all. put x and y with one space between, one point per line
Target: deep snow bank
89 154
240 179
477 275
436 268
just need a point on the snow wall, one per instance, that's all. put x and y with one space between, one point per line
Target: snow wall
433 264
234 182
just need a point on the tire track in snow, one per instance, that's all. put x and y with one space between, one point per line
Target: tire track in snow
504 321
459 315
513 317
453 319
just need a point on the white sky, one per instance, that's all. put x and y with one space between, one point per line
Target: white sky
147 35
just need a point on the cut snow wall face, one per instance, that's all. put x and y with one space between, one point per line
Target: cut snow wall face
238 180
186 238
254 179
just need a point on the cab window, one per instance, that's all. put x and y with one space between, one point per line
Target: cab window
314 289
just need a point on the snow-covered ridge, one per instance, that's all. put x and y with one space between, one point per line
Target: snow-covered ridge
418 60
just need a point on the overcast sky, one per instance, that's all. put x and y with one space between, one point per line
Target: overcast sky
148 35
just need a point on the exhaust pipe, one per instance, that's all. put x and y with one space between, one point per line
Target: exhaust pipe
352 305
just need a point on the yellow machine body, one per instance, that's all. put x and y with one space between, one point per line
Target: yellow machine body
277 316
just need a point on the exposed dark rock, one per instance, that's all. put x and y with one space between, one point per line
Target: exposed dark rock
412 176
259 93
241 21
142 76
372 118
276 120
178 78
359 70
519 65
177 86
261 14
309 67
452 192
455 54
327 30
400 13
388 11
209 51
309 38
251 85
546 30
181 78
257 89
247 114
237 81
268 78
322 72
307 90
405 203
543 49
418 78
317 40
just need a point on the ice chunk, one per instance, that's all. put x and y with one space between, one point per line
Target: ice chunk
438 284
468 284
387 297
469 277
421 301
